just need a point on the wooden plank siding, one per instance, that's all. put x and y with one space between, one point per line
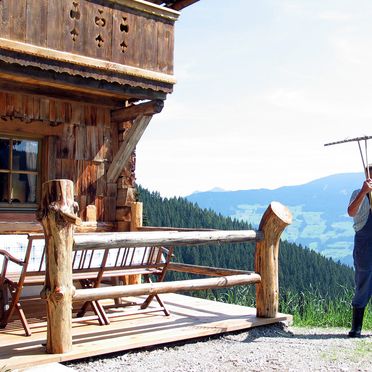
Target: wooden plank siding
109 30
78 143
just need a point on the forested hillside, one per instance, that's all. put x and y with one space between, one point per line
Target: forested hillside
320 220
300 269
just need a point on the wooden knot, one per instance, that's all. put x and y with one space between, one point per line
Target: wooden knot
45 292
39 214
76 207
59 293
54 207
56 295
65 214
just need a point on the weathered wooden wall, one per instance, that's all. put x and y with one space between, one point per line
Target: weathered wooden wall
107 30
79 142
64 66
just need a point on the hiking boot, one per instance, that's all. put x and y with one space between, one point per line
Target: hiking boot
357 323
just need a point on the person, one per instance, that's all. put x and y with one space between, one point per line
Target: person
360 209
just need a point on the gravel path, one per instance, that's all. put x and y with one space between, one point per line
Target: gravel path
268 348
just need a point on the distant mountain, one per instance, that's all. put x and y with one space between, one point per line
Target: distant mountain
300 270
320 220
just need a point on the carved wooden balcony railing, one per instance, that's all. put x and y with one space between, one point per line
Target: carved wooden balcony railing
125 42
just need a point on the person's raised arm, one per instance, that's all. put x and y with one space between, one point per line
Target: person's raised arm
355 204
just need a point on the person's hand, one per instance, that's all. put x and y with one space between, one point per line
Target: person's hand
367 185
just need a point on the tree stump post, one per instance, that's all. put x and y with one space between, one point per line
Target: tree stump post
137 216
57 215
135 224
273 223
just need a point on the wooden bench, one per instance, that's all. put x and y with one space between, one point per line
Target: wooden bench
90 268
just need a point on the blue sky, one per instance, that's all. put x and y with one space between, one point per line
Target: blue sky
261 86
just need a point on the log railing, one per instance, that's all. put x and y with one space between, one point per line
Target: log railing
56 214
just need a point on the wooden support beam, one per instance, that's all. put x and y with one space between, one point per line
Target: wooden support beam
163 238
273 222
137 216
91 213
57 215
131 139
132 112
179 5
164 287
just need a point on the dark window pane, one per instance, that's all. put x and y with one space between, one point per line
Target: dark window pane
4 153
24 188
25 155
4 197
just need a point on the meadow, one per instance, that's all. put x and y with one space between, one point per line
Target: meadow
309 308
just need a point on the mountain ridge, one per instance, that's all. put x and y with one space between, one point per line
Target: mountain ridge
319 208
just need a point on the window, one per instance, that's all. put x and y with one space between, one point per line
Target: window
19 172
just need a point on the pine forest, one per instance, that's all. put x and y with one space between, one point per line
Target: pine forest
300 269
316 290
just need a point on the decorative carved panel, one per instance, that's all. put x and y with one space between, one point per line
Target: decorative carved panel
116 31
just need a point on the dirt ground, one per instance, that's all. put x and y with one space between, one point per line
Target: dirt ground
268 348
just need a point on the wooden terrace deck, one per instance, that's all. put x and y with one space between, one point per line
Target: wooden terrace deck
190 318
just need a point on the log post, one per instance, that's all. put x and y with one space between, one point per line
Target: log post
273 222
135 223
57 215
137 216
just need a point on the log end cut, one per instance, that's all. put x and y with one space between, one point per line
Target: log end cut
282 212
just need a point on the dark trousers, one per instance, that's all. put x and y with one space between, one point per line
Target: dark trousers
363 265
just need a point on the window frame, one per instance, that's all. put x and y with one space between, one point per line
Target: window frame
9 206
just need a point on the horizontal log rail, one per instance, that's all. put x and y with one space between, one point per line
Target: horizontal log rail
167 228
164 287
163 238
204 270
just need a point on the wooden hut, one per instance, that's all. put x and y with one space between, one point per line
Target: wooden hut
79 83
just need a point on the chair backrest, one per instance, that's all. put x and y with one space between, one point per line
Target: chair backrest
138 257
24 247
30 249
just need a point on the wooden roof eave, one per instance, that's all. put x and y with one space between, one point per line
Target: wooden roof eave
40 54
175 4
56 63
152 8
76 88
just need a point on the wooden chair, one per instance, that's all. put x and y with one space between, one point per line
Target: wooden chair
87 269
148 262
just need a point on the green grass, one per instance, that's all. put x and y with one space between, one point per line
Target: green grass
312 310
309 309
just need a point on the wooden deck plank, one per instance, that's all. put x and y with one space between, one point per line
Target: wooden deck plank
190 318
